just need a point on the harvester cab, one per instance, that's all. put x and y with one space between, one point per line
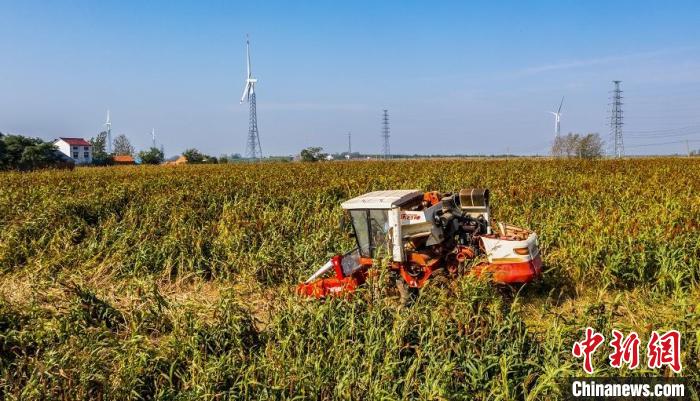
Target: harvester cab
424 235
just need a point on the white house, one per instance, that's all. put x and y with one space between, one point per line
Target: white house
78 149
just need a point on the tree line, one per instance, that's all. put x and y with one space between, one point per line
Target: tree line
18 152
121 146
153 155
21 153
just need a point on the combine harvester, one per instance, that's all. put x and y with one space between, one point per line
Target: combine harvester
427 235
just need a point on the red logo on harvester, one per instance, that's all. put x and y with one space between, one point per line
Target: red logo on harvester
665 350
626 350
406 216
662 350
586 348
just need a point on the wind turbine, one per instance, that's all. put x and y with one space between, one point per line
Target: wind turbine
253 149
153 137
108 124
557 119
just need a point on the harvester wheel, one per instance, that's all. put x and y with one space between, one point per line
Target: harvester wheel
440 278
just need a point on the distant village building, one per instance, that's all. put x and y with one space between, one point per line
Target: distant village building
178 161
124 160
77 149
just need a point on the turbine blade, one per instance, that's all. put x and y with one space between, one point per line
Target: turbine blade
246 92
560 104
247 53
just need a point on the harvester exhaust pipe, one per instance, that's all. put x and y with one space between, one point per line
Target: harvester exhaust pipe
473 197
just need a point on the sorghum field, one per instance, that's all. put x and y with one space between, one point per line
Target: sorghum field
178 282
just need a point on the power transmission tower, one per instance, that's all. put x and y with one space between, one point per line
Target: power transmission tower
616 121
385 134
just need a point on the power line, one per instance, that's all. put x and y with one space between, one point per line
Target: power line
664 143
660 136
697 126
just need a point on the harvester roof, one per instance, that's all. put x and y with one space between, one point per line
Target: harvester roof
382 199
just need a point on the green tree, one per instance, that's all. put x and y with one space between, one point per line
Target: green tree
197 157
100 156
23 153
122 146
40 155
193 156
312 154
2 152
151 156
14 147
210 159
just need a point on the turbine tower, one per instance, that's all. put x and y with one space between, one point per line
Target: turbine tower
253 149
616 121
385 134
153 137
557 119
108 124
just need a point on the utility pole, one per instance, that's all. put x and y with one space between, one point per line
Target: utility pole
616 121
386 150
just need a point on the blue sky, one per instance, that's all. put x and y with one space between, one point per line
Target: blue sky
457 77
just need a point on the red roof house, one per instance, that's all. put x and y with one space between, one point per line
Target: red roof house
76 141
123 160
77 149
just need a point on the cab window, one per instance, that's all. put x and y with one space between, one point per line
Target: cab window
379 229
371 231
359 224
